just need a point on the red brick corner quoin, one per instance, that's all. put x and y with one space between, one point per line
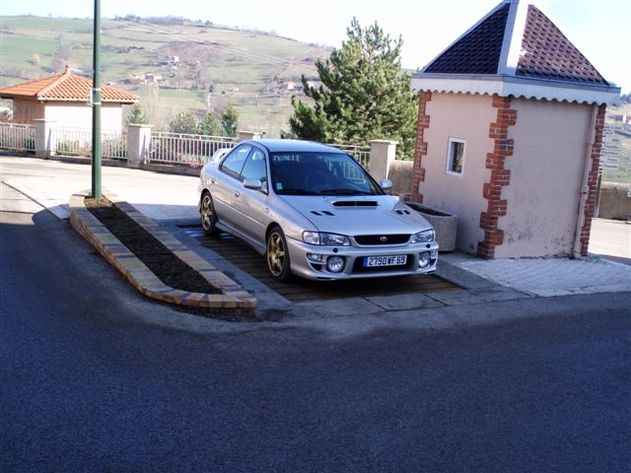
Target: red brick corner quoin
592 179
141 277
421 145
500 177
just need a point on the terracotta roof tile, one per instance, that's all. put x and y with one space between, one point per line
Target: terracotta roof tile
65 87
546 53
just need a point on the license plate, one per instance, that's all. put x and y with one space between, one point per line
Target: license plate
398 260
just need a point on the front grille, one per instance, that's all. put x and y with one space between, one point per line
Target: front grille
397 239
358 266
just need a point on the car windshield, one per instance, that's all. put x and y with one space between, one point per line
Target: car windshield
309 173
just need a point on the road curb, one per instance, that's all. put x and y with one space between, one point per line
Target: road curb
140 276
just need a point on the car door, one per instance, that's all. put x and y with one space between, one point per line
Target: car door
226 188
252 203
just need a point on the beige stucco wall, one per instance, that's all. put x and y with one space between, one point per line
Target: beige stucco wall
25 111
466 117
547 167
79 115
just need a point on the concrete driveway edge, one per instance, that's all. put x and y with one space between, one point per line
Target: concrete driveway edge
233 296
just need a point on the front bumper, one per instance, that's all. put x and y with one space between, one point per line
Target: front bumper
354 258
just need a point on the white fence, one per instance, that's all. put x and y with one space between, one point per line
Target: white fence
161 147
360 153
78 142
180 148
17 137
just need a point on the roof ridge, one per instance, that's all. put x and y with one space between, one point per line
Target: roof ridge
513 37
62 77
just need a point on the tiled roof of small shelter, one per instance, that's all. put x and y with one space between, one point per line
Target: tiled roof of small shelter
65 87
478 51
543 50
547 53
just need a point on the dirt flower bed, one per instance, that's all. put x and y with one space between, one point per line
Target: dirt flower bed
171 270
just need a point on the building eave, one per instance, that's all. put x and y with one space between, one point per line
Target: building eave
525 87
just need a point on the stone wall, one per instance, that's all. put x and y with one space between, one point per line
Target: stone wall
614 201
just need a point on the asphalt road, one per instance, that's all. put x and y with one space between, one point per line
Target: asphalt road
89 383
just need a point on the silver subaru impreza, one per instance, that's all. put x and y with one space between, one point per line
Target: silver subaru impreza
313 211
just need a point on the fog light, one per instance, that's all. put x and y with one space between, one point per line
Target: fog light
316 258
423 260
335 264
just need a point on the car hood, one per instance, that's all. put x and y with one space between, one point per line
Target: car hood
358 215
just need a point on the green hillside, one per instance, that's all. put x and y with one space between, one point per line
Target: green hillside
250 70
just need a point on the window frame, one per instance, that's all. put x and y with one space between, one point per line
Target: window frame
449 156
248 157
230 172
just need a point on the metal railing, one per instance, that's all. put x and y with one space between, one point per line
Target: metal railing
180 148
17 137
360 153
78 142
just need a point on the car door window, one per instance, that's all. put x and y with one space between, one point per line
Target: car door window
255 167
233 164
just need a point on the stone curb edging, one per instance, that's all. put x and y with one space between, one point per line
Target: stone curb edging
140 276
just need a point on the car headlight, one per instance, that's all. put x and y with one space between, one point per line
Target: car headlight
325 239
425 236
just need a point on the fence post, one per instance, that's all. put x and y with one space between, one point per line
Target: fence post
138 144
382 153
243 135
45 145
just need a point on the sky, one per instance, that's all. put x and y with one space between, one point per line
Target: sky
598 28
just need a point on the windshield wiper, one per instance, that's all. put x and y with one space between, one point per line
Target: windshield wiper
342 191
296 192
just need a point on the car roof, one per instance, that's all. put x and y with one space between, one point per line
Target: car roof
276 146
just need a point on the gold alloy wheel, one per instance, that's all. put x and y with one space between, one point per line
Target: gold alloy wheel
275 253
207 212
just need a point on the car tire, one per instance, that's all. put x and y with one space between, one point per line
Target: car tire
207 215
277 255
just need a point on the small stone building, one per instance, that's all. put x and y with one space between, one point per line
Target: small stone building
63 99
509 136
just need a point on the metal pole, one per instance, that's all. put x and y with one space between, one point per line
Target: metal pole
96 104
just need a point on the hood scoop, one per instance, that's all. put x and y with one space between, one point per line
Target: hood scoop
355 203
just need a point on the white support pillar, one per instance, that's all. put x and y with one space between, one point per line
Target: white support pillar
138 144
45 145
382 154
243 135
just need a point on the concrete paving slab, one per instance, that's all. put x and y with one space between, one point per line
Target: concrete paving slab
404 302
348 306
477 296
555 276
611 239
50 183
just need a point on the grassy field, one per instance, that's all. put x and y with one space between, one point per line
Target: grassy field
245 68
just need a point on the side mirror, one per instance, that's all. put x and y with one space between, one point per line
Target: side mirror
254 184
385 184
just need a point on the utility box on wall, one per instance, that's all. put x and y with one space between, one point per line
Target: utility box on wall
509 136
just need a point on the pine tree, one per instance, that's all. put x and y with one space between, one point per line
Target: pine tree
184 122
230 121
210 125
137 115
364 94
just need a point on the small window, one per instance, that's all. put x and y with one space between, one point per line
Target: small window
254 167
455 156
234 162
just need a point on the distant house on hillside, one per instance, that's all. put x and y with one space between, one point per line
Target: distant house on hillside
64 99
509 137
